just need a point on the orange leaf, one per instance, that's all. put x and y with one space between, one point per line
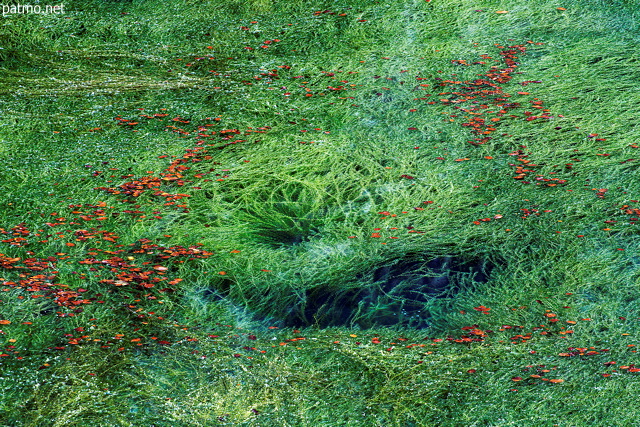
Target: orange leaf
561 8
502 11
556 381
5 322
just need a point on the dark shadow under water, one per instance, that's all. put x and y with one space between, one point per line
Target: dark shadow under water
397 295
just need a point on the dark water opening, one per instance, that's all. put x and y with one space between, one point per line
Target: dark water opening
399 292
396 293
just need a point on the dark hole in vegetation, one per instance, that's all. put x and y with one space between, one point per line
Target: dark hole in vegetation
295 233
398 294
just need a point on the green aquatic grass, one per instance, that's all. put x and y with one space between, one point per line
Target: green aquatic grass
290 213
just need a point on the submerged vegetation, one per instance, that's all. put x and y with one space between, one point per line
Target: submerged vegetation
262 213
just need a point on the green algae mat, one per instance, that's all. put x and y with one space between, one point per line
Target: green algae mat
327 213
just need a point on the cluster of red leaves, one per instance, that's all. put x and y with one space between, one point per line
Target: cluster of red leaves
177 173
634 212
44 282
483 119
467 91
583 351
328 12
127 278
20 232
473 334
539 376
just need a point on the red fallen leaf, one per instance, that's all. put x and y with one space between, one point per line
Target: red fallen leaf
516 379
412 128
